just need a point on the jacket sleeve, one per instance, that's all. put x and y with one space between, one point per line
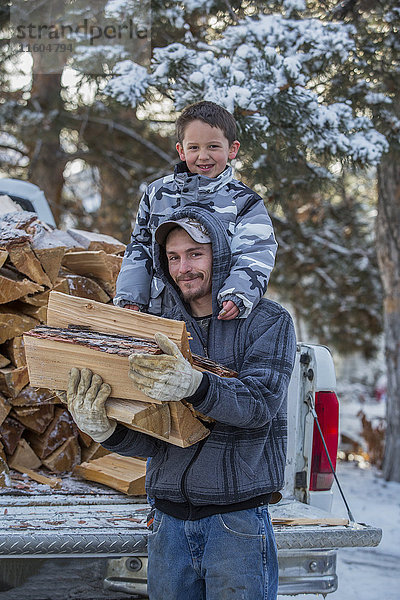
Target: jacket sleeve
134 279
253 256
253 398
127 442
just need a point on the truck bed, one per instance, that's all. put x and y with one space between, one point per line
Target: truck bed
92 520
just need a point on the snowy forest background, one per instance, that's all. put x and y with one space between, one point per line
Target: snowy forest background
315 89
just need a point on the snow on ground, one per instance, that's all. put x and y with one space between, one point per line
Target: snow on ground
366 573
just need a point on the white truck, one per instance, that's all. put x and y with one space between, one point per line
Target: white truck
88 542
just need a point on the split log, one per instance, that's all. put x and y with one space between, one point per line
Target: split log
66 310
24 456
36 312
2 453
42 298
13 380
55 238
84 287
50 259
5 408
13 286
154 419
97 241
4 361
125 474
3 257
35 418
16 351
96 263
60 429
34 397
84 439
26 262
13 324
95 450
65 458
53 482
50 361
11 432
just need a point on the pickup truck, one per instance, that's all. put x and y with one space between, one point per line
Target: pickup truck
86 541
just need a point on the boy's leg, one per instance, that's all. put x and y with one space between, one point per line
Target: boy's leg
240 557
172 574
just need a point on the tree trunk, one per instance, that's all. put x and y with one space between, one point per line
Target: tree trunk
388 247
47 159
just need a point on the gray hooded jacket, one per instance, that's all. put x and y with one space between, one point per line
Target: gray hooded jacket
244 455
246 222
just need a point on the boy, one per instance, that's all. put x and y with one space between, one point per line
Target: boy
206 134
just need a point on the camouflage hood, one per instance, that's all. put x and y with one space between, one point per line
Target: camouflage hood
222 255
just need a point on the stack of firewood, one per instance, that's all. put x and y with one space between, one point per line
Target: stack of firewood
35 258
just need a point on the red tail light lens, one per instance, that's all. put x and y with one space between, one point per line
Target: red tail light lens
327 409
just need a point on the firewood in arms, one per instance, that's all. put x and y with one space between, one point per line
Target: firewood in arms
119 344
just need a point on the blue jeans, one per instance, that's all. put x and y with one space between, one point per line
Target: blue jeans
228 556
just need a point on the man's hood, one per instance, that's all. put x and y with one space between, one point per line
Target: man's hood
222 255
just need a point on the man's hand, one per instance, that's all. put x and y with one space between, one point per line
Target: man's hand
229 311
86 398
167 377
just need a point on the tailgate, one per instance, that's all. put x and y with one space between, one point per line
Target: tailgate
110 526
318 535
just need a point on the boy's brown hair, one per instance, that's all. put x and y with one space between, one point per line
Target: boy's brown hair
209 112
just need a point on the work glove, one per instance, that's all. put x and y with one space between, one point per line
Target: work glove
86 398
167 377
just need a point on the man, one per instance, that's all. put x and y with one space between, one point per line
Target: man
212 537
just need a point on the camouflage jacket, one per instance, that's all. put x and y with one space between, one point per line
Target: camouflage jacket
244 455
241 211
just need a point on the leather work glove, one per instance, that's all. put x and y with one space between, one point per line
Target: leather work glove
167 377
86 398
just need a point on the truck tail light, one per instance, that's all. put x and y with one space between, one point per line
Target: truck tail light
327 409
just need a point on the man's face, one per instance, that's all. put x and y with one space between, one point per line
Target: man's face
205 149
190 265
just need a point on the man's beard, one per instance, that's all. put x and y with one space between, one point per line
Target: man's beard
189 295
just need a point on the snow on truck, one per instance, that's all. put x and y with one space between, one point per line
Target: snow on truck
88 541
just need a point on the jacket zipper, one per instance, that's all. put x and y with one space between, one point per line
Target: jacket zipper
185 475
199 447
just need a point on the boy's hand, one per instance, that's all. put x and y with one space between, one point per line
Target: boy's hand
132 307
229 311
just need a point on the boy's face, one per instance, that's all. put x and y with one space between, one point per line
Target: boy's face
205 149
